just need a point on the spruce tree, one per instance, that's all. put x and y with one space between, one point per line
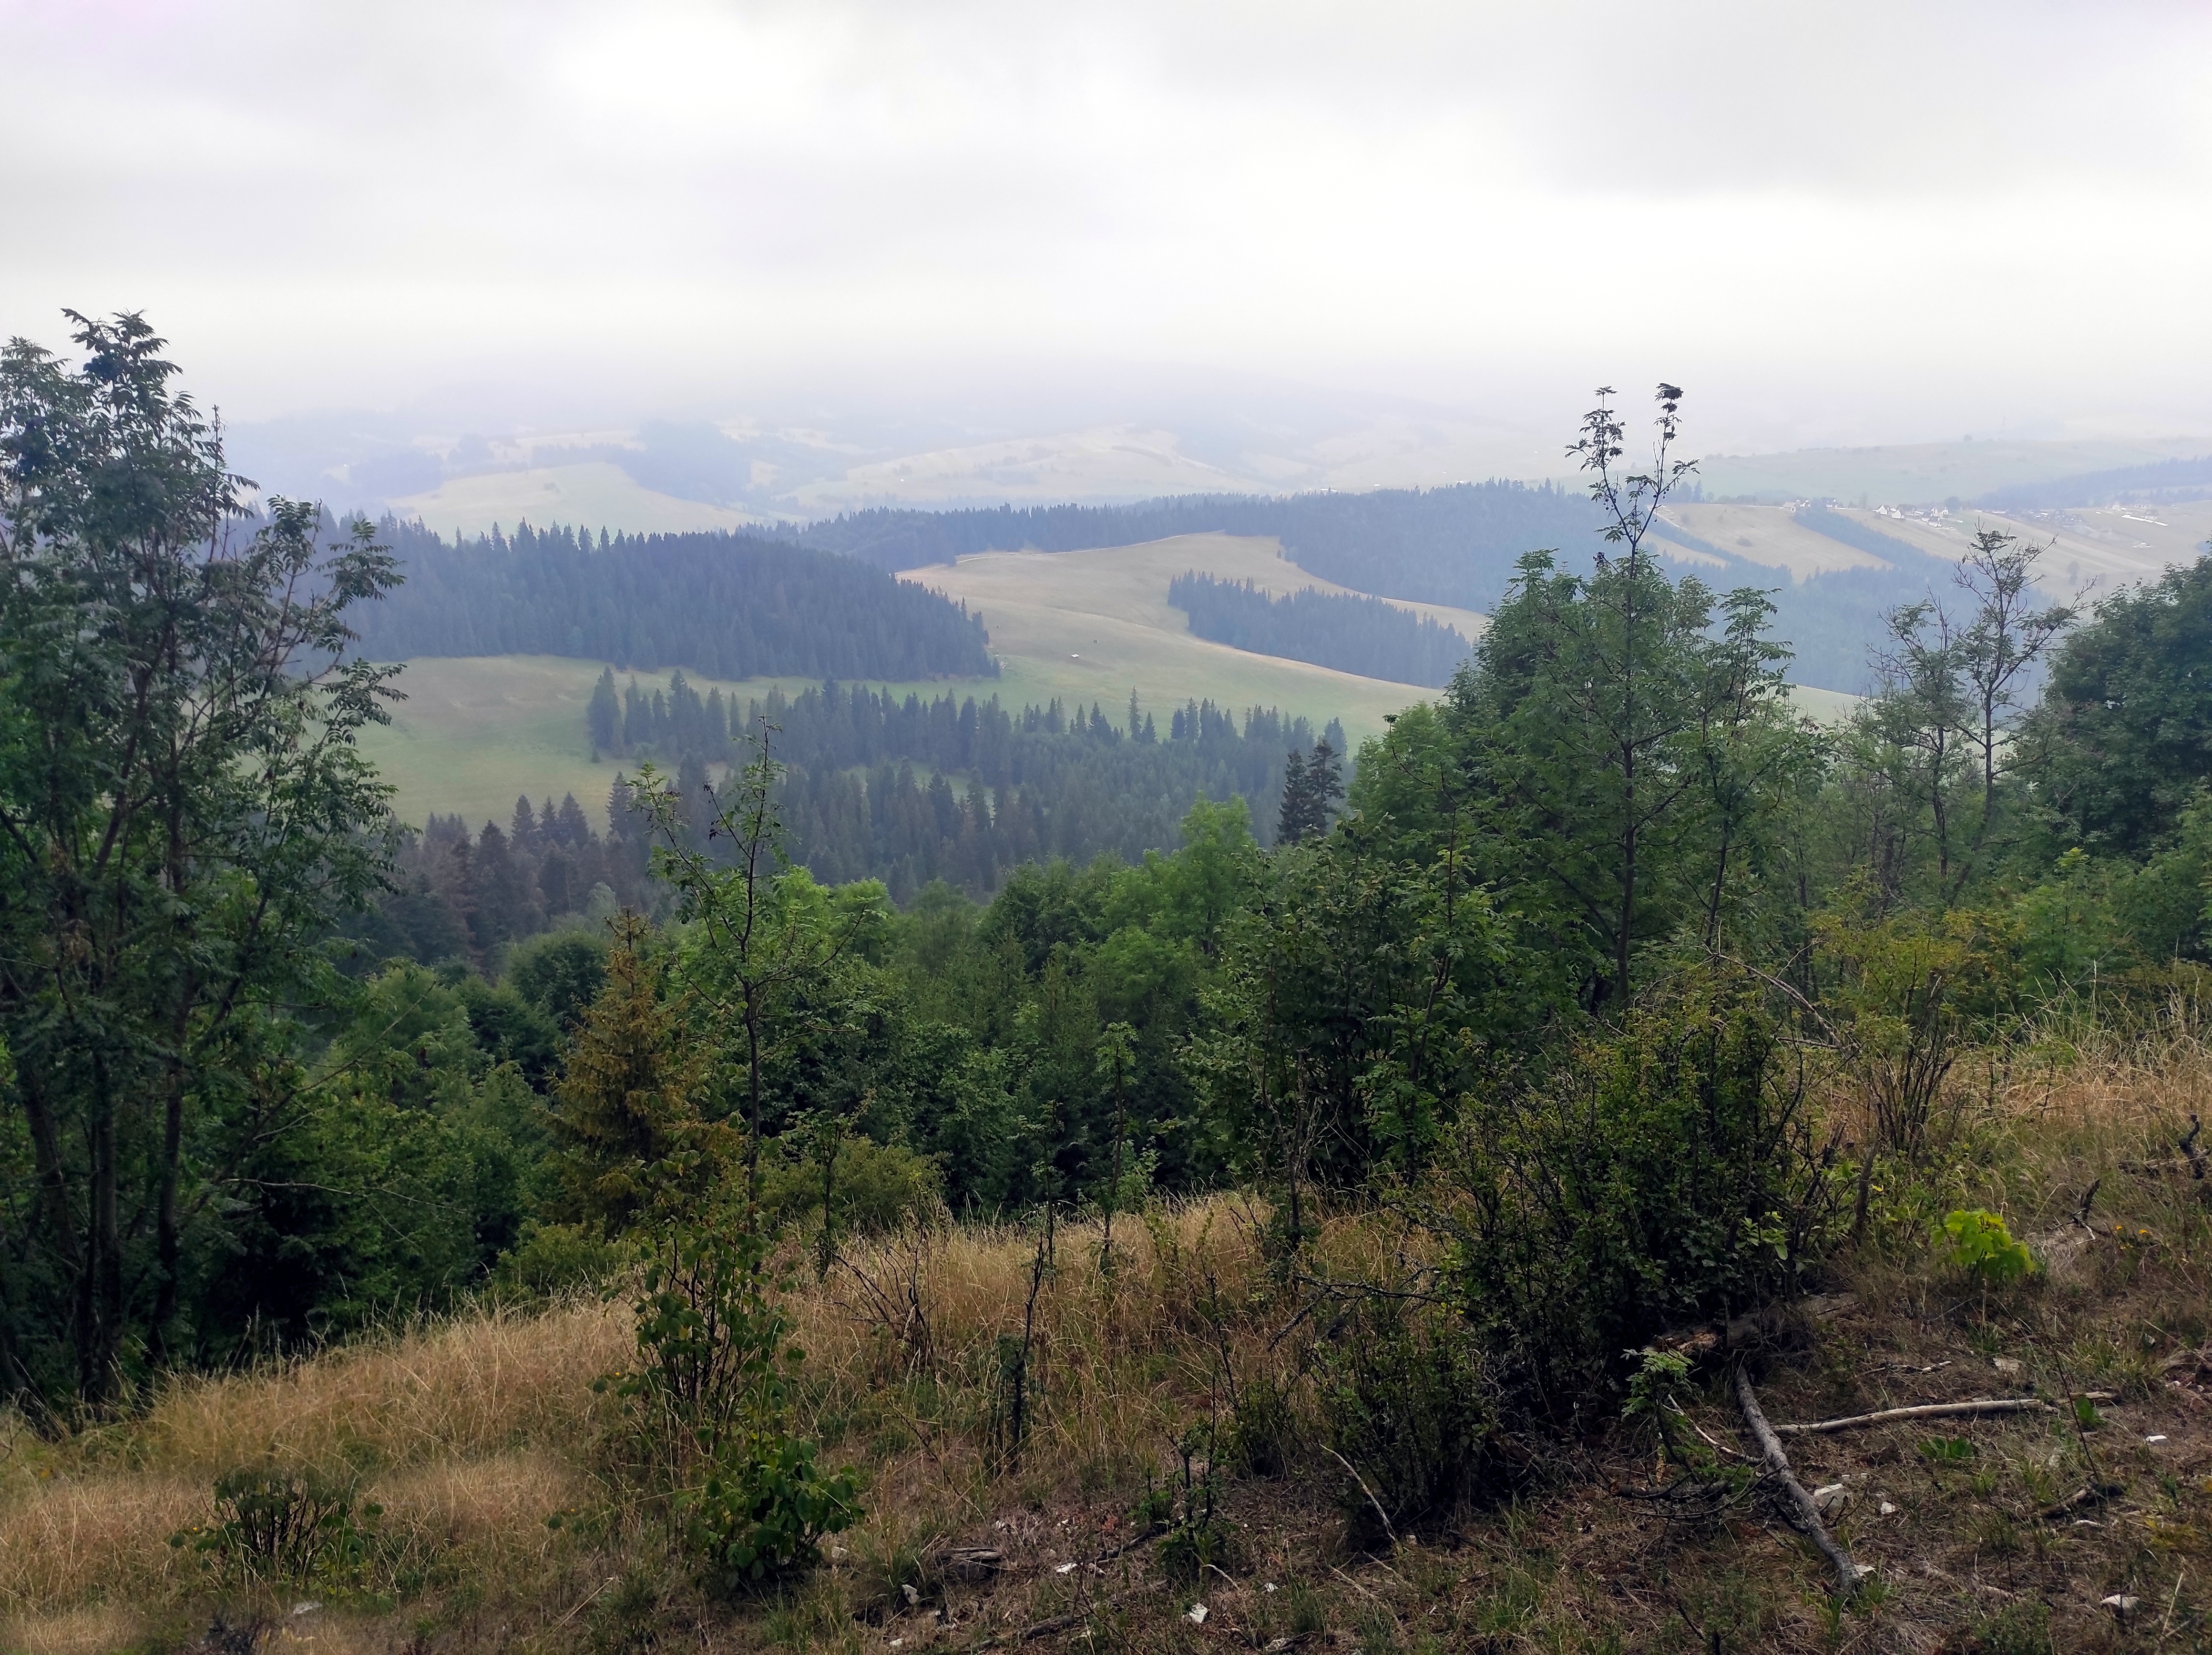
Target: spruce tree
1290 818
625 1113
606 715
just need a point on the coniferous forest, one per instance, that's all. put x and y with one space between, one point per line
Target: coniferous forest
827 1201
727 605
1331 629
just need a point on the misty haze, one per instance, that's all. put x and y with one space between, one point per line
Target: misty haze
964 827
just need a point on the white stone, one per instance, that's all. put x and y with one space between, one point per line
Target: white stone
1830 1499
1195 1614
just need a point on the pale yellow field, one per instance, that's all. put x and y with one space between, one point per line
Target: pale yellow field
597 494
1771 536
2090 549
1094 625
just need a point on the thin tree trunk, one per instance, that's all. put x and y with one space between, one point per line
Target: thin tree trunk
753 1100
98 1351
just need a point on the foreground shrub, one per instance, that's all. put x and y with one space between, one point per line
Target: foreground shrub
1984 1250
1404 1400
273 1525
713 1385
1666 1174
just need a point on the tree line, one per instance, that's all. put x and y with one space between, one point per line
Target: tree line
1349 632
869 785
873 785
728 605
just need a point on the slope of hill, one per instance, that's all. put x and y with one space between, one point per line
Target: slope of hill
1079 628
1092 625
1453 546
1367 635
1904 473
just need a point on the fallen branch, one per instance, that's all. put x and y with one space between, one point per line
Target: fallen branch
1926 1411
1804 1515
1932 1411
1153 1533
2095 1493
2082 1211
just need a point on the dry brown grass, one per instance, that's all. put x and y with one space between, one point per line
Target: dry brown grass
471 1386
470 1434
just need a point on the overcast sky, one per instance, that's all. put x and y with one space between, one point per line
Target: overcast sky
1857 220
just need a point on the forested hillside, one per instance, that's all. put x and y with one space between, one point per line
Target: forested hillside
1453 545
1458 545
2179 479
1352 634
1411 1215
1835 622
870 786
727 605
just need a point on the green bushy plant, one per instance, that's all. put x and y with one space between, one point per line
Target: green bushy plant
1404 1402
713 1386
1196 1538
1984 1250
1666 1174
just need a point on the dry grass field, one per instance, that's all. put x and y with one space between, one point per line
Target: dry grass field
1090 626
504 1529
2090 549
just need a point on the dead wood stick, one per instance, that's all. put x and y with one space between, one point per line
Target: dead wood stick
1804 1515
1925 1411
1933 1411
1387 1527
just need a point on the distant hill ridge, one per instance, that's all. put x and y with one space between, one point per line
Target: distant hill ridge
1458 545
2183 479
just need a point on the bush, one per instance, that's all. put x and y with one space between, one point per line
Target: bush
874 1188
273 1525
713 1388
547 1260
1665 1175
763 1509
1404 1404
1188 1508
